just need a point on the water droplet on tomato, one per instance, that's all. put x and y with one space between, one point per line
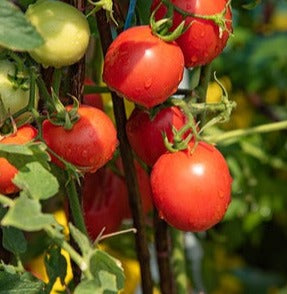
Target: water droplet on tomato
160 215
85 153
194 58
148 83
221 194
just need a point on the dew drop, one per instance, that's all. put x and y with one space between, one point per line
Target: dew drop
194 58
147 83
160 215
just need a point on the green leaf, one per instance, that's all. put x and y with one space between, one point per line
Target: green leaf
36 181
14 240
26 215
87 287
56 266
81 239
20 155
102 265
12 283
16 32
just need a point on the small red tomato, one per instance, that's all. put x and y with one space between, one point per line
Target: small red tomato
23 135
94 99
192 191
89 145
143 68
203 41
145 134
103 195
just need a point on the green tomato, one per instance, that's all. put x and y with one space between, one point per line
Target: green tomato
64 29
14 97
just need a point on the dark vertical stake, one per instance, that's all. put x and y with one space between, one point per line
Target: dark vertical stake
163 252
129 169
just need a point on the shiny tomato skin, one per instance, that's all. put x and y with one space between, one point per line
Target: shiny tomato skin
143 68
103 195
192 191
94 99
145 133
89 145
23 135
202 42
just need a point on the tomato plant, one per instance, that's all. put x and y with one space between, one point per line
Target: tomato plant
192 188
133 63
145 133
65 31
89 145
205 38
23 135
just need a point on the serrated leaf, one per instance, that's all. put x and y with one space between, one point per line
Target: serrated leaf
87 287
14 240
101 264
56 266
26 215
20 155
20 283
81 239
36 181
17 33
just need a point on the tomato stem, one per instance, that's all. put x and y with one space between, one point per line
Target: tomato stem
178 261
236 135
74 204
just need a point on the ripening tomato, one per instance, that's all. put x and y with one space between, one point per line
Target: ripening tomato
192 190
89 144
65 31
14 96
23 135
94 99
145 133
143 68
103 195
203 40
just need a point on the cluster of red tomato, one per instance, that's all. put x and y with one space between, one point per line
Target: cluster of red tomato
190 188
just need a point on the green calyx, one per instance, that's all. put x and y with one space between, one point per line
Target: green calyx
60 116
161 28
219 19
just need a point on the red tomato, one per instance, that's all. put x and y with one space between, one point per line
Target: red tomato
23 135
103 194
145 134
105 198
192 191
89 145
143 68
202 42
144 189
94 99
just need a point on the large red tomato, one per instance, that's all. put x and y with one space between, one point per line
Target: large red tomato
143 68
203 41
192 191
103 195
145 133
23 135
89 145
94 99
